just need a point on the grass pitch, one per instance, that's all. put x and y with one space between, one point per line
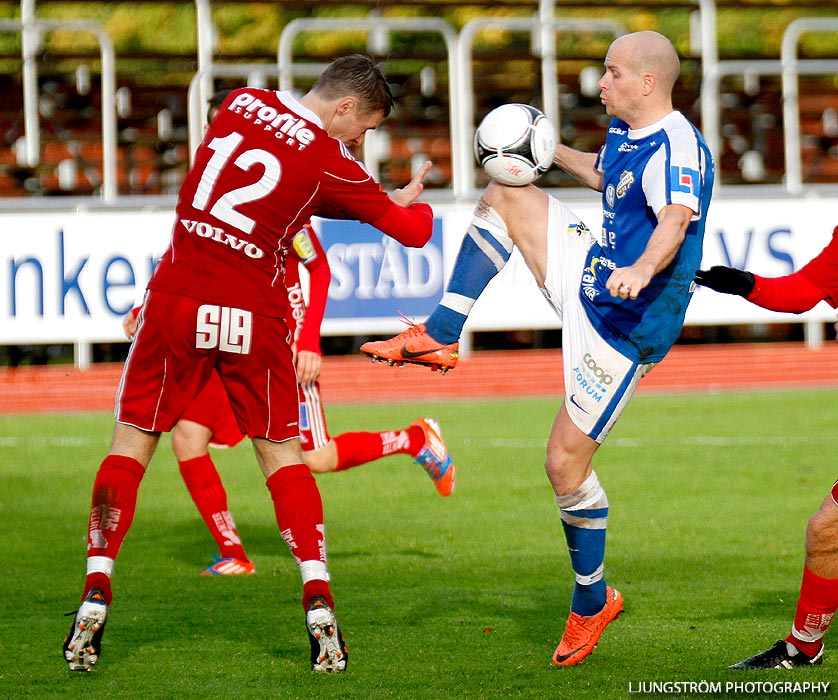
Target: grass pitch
463 597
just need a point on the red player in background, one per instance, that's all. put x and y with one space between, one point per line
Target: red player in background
800 291
209 420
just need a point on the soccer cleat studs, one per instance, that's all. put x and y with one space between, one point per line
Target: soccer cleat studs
328 650
82 646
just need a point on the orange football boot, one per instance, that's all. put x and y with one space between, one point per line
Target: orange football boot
414 347
581 634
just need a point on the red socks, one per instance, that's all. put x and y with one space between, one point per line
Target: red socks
207 491
360 448
815 608
299 515
112 510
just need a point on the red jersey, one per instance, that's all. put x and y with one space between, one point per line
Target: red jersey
263 169
816 281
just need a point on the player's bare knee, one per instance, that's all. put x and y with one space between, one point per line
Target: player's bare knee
822 530
179 443
188 444
563 471
506 200
317 466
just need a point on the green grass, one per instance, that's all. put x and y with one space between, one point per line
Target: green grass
463 597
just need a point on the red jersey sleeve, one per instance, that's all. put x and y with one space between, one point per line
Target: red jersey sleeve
792 293
816 281
822 271
320 276
411 226
349 192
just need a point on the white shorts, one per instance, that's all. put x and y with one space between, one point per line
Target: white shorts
599 381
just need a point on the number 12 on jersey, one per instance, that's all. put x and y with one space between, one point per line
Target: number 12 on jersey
225 206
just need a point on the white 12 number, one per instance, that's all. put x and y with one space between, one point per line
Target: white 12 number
225 206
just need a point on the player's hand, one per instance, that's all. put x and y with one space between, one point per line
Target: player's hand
408 194
628 282
727 280
308 366
129 324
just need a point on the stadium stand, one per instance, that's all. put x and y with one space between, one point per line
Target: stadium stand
152 105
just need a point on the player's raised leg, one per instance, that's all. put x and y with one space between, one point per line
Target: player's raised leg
422 440
483 253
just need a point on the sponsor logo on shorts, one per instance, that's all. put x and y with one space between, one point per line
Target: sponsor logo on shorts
223 327
578 228
577 404
596 370
591 379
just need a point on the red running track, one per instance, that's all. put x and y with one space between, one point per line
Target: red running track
488 374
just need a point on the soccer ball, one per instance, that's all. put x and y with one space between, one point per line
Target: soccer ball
514 144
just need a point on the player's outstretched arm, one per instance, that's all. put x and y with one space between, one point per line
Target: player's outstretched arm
408 221
580 165
793 293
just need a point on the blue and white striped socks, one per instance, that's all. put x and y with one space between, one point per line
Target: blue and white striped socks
584 514
483 253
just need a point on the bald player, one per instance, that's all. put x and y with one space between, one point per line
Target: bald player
621 296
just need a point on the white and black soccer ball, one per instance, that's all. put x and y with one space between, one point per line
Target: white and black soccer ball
514 144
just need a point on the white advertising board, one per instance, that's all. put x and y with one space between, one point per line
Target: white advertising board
69 276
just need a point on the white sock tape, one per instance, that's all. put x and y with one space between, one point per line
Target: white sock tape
100 565
313 569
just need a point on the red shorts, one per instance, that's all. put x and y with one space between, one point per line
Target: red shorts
314 433
181 340
211 408
835 493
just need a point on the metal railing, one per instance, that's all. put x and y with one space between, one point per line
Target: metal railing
373 26
32 29
459 47
792 67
